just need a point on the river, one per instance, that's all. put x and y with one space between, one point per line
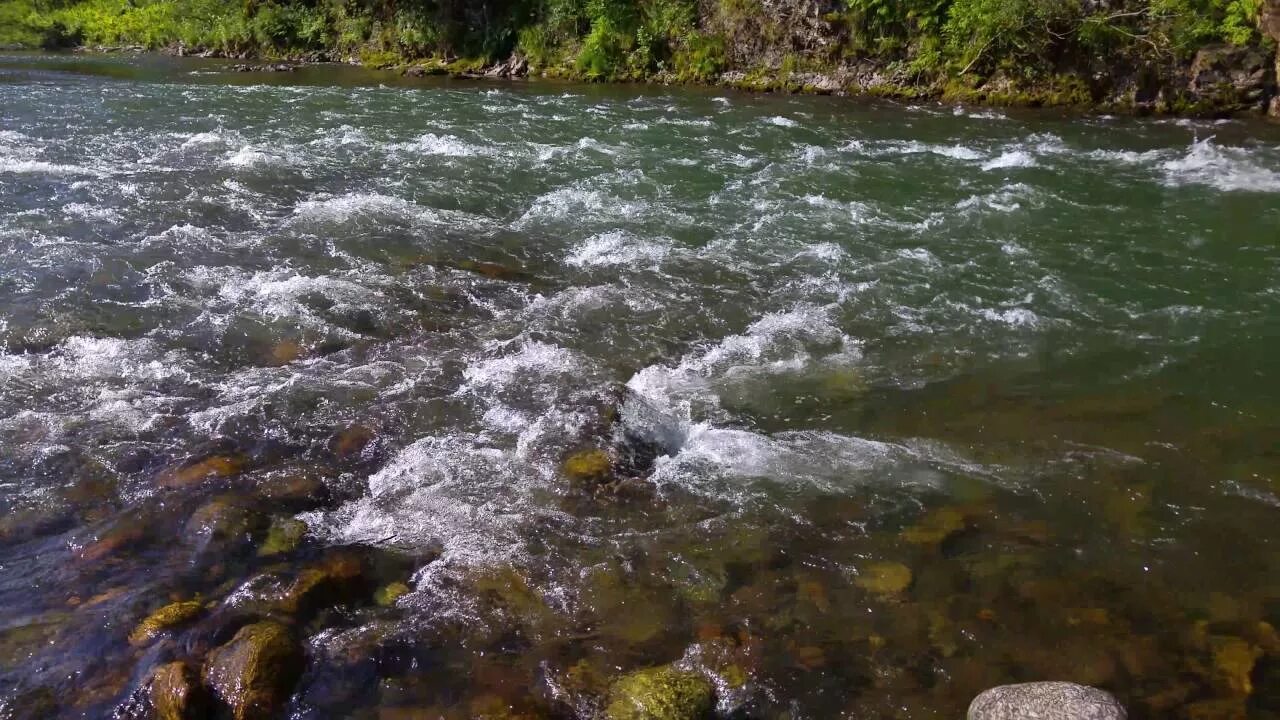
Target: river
854 409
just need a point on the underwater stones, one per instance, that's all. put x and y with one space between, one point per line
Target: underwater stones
588 467
167 617
176 693
284 536
254 673
886 579
660 693
1045 701
194 472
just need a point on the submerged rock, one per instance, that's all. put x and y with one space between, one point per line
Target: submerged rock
255 672
225 523
588 467
335 579
388 594
167 617
660 693
194 472
885 578
1045 701
284 536
176 693
935 527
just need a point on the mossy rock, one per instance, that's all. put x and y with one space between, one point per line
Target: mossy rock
388 594
886 579
284 536
225 524
588 467
169 616
660 693
935 527
176 693
296 489
194 472
337 578
255 672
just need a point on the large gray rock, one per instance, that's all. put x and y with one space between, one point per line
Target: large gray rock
1233 78
1045 701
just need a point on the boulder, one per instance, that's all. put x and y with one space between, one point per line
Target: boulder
1045 701
176 693
660 693
255 672
1227 77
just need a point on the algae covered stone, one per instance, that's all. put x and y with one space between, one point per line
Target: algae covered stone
660 693
169 616
885 578
255 672
388 594
284 536
588 466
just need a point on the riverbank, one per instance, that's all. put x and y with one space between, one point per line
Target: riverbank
1170 57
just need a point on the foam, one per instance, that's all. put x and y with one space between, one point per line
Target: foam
1228 169
39 167
351 206
1010 159
618 247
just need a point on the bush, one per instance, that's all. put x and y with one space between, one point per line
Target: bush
700 58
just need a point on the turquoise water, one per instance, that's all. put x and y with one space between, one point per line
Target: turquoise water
899 402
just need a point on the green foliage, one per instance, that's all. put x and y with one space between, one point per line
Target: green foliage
934 42
889 25
1188 24
700 58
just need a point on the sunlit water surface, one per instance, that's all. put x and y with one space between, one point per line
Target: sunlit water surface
903 401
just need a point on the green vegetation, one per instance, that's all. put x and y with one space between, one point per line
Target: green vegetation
921 43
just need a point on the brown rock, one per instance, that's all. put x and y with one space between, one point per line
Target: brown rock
351 441
176 693
255 672
193 472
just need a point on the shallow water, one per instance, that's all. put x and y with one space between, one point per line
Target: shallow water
902 401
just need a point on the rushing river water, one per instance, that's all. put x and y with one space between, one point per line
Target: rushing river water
899 402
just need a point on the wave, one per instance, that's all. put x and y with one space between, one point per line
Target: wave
618 247
351 206
39 167
1229 169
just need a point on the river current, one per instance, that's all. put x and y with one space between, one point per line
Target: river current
899 402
